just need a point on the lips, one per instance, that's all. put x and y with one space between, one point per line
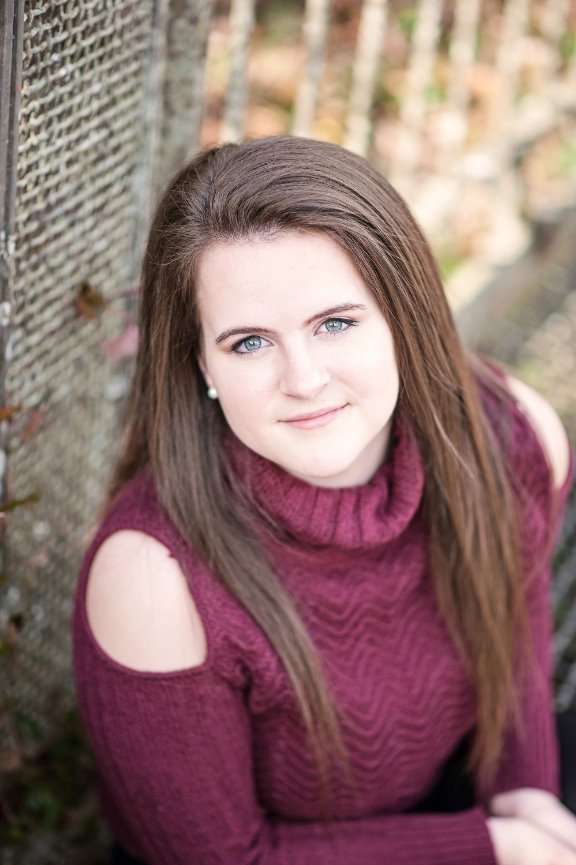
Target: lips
316 414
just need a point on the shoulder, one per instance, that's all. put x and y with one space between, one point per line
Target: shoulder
547 426
139 605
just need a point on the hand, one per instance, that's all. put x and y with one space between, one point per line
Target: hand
518 842
540 808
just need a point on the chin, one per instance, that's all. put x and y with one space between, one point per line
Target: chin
328 472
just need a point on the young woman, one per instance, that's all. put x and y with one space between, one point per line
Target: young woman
313 625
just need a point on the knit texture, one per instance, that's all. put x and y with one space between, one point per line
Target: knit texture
210 764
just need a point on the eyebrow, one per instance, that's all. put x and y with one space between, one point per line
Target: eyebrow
342 307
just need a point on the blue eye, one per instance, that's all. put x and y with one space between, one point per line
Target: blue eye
248 342
349 322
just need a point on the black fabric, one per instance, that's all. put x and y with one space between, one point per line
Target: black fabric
119 856
454 788
566 731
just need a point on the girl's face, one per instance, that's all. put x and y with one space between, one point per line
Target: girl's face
289 329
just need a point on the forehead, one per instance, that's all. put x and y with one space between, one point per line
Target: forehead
291 273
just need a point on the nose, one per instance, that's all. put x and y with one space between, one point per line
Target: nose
302 375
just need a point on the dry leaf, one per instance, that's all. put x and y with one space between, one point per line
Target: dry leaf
7 412
89 302
33 423
12 504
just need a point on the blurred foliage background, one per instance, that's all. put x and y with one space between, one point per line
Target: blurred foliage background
470 109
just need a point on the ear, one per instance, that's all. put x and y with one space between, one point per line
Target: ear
203 370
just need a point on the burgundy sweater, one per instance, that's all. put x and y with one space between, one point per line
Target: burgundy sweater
209 764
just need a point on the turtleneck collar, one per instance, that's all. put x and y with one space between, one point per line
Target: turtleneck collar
347 518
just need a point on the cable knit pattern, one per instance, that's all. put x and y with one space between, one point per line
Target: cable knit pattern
210 764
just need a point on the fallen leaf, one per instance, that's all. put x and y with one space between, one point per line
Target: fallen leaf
33 423
7 412
89 302
12 504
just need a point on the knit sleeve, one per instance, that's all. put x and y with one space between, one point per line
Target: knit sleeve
530 756
174 755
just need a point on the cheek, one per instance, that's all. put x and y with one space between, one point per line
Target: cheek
243 397
377 382
373 363
246 397
242 415
242 375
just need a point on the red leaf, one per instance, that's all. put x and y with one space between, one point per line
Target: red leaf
33 423
124 345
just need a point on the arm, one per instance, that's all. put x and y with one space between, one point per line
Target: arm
174 746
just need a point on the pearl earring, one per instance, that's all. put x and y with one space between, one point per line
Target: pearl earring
212 393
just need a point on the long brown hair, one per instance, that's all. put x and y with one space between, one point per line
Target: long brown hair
283 183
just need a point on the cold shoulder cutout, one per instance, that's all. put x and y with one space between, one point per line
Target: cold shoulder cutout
548 428
137 573
140 608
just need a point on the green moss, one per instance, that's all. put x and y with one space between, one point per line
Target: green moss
407 19
449 260
567 158
281 20
435 94
385 99
568 45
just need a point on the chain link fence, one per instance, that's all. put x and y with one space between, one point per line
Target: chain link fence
81 167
